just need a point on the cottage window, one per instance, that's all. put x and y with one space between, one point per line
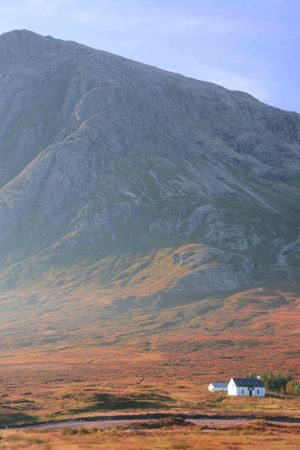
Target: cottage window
242 391
258 391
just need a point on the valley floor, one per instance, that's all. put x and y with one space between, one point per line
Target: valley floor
140 370
67 383
127 381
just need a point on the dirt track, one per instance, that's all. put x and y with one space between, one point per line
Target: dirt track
108 422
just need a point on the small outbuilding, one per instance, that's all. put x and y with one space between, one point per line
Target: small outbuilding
218 386
247 387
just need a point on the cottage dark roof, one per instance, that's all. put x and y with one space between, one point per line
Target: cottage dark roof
219 384
248 382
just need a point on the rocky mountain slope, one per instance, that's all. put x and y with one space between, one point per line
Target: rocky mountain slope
124 186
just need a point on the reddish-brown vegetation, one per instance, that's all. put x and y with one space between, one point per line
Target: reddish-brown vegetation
261 436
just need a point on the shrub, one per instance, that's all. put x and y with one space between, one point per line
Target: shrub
293 387
275 382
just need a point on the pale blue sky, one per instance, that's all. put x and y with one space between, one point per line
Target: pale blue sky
249 45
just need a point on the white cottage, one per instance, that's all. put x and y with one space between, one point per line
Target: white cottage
248 387
218 386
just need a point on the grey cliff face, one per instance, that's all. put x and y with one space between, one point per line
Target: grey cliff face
102 155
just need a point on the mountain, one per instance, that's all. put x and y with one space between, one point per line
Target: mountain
128 191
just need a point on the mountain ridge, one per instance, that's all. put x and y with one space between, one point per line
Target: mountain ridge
24 35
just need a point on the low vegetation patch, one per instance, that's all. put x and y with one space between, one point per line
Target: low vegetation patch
12 419
255 436
112 402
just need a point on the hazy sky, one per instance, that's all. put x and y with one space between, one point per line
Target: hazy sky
249 45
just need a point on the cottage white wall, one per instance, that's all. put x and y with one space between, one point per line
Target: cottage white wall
232 389
244 391
211 388
256 392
